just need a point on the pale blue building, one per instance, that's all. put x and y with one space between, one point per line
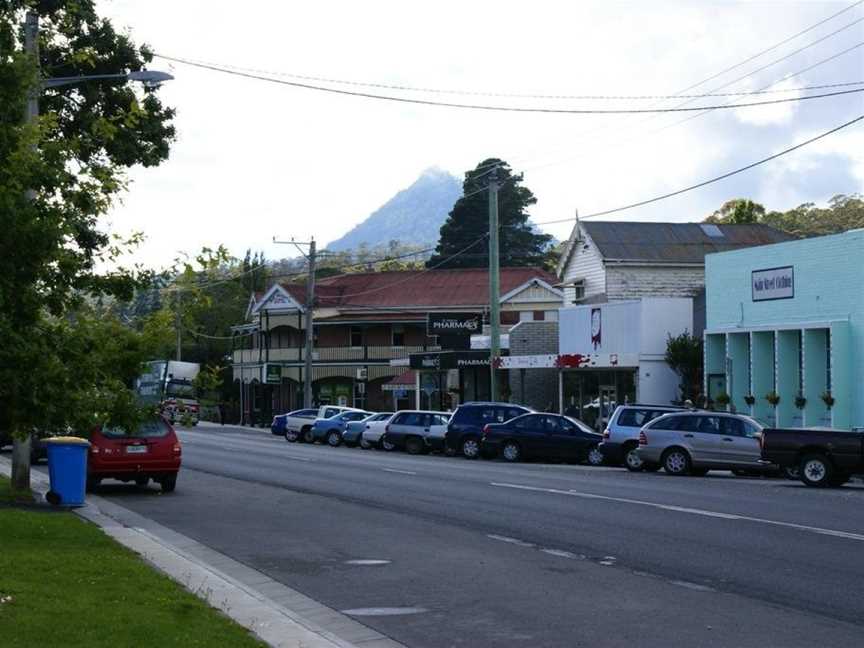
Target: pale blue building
784 336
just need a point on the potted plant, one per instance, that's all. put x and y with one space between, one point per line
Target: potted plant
773 398
800 401
750 399
828 399
722 399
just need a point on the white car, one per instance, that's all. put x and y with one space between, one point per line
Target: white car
372 434
298 425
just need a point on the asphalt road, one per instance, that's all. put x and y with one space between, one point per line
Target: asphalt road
489 554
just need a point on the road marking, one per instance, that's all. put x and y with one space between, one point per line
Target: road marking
384 611
401 472
683 509
693 586
515 541
367 562
562 554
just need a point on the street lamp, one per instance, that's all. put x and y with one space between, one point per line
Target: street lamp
149 78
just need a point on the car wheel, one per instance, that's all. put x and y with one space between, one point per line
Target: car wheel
365 444
308 435
632 461
168 483
511 452
595 456
816 470
386 445
470 448
334 439
291 436
414 445
676 462
142 481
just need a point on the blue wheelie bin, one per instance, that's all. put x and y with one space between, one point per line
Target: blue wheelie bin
67 469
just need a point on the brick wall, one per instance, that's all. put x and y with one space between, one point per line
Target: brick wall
536 388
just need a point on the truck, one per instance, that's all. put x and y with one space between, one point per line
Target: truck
821 457
170 385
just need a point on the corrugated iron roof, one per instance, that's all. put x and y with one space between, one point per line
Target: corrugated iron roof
675 242
430 288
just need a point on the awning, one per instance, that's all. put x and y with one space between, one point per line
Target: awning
402 382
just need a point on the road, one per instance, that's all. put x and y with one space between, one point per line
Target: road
489 554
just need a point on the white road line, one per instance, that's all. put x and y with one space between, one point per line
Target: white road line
560 553
692 511
515 541
401 472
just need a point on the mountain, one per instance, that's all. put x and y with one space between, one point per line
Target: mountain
414 215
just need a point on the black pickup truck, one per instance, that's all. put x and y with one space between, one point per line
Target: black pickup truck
822 457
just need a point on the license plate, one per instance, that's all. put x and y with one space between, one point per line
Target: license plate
136 449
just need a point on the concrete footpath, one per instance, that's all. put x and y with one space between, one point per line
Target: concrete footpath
278 615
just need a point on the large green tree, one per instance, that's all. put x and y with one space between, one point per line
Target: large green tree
843 212
59 175
464 233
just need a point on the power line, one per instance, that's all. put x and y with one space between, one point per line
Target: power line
404 88
486 107
707 182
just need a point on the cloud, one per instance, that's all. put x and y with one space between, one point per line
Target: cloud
773 114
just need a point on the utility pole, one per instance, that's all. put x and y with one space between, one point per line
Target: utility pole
494 292
21 446
177 326
310 308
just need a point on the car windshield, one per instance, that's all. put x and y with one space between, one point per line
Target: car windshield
582 427
180 389
152 429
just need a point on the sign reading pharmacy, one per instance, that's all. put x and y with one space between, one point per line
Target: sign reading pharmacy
464 324
773 283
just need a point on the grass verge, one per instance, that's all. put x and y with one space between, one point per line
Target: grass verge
63 582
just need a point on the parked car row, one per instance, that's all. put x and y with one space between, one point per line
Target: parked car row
642 438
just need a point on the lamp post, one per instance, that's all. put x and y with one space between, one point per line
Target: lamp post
150 78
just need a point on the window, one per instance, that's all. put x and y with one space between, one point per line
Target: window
578 290
512 412
732 426
508 318
153 429
552 424
528 422
414 419
539 316
566 426
356 336
398 335
708 424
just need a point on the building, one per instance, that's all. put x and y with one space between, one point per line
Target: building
366 326
785 331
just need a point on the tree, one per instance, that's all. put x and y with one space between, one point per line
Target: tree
684 356
468 223
58 176
738 211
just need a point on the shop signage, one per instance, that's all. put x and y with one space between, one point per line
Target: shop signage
452 324
570 361
449 360
273 374
773 283
596 328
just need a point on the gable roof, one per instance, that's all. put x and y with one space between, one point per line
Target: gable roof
461 287
685 243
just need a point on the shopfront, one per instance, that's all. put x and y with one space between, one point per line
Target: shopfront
784 340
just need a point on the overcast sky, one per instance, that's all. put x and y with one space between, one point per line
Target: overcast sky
255 159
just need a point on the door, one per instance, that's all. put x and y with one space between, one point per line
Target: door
742 447
607 404
710 445
573 441
530 431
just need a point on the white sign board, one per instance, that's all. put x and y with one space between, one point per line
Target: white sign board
773 283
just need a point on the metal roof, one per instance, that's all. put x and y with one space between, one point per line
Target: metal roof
685 243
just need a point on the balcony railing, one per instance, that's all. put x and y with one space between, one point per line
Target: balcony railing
329 354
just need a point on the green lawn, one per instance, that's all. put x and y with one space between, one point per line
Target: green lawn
71 585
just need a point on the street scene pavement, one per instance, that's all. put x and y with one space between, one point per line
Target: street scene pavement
438 551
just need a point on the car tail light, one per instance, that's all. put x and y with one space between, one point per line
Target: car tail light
177 449
762 441
194 408
94 449
643 440
485 429
606 433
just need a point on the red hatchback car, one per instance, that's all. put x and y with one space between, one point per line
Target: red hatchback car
152 452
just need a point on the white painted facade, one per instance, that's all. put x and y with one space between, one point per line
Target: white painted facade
631 334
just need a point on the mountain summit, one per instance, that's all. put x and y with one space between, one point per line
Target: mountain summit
414 215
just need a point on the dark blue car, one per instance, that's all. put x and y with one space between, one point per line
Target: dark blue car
547 436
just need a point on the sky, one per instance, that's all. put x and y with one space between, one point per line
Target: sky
254 160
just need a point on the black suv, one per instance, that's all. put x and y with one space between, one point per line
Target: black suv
466 426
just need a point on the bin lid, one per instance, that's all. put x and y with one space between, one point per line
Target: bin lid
67 440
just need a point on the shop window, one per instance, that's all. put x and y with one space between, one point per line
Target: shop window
356 336
398 335
508 318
